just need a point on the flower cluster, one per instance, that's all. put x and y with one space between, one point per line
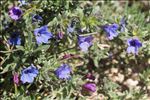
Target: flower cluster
42 35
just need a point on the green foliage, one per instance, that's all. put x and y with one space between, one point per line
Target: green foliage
88 16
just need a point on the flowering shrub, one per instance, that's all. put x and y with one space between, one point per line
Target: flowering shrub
74 50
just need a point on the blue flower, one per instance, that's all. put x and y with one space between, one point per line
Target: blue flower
111 30
133 45
14 39
42 35
85 42
63 72
22 2
36 18
123 24
70 29
29 74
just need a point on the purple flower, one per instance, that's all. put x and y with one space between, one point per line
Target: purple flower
36 18
63 72
15 13
90 87
14 39
66 56
42 35
133 45
60 35
29 74
111 30
16 78
85 42
90 76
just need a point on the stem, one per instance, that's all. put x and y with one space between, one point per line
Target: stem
9 51
89 34
16 90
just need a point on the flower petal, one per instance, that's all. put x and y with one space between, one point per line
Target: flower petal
26 78
131 49
84 46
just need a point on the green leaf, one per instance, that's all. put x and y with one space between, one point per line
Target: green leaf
9 67
41 47
20 48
